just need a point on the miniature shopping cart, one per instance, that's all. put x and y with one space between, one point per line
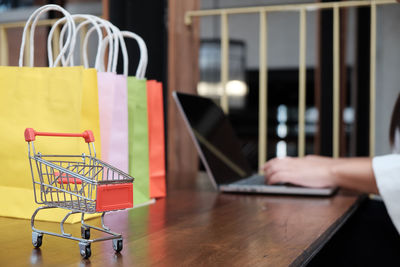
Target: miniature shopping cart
79 183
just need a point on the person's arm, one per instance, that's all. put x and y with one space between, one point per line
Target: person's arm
316 171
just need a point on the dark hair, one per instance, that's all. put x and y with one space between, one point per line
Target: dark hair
395 122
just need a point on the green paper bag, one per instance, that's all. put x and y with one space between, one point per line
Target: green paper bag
138 139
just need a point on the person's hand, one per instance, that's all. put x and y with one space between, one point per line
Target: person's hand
310 171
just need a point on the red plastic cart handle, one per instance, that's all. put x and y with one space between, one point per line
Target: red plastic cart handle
31 134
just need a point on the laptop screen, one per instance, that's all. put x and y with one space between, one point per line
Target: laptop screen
220 149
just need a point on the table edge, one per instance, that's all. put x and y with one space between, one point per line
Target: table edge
308 254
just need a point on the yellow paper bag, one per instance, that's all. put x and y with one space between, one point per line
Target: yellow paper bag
47 99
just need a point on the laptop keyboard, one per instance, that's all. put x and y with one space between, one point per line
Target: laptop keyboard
255 179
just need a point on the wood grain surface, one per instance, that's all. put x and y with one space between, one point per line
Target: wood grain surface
194 226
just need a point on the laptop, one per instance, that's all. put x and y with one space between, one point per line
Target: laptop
220 151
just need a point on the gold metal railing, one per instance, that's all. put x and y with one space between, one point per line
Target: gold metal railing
4 54
263 78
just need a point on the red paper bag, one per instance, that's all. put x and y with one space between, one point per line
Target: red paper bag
155 110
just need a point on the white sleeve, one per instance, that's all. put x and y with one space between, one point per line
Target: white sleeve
387 175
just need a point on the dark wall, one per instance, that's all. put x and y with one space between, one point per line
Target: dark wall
148 20
368 238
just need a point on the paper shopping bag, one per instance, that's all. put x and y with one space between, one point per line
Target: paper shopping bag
48 99
118 152
106 85
113 111
113 99
138 139
156 139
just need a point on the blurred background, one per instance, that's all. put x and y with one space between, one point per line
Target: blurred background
187 58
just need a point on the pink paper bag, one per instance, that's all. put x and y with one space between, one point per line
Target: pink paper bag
106 85
118 149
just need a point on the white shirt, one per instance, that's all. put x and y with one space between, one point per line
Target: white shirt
387 174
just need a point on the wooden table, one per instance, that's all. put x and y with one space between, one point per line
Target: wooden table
194 226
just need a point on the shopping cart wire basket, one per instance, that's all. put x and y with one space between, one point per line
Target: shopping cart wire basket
79 183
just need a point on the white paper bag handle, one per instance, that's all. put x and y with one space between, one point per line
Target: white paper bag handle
97 25
35 17
142 66
117 35
116 40
49 42
113 46
141 70
86 19
100 43
124 53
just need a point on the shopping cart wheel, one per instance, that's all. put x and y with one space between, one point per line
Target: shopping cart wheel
37 239
85 232
85 250
117 245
